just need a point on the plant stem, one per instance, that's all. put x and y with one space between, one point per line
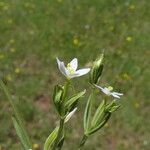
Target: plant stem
62 119
60 132
84 139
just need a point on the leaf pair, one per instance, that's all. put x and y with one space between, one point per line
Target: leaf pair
101 116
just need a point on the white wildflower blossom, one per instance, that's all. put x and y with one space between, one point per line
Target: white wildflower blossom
71 70
109 91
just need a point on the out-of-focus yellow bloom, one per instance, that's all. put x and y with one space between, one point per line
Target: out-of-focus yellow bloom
6 7
137 105
8 77
17 70
12 41
111 28
31 32
2 56
35 146
9 21
126 76
129 39
75 41
106 125
12 50
132 7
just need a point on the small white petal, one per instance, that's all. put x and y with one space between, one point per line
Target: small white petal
115 95
61 67
70 115
106 91
82 72
74 63
73 75
99 87
118 93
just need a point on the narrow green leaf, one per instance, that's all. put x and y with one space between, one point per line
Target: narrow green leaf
20 134
98 127
98 114
16 111
73 99
51 138
87 113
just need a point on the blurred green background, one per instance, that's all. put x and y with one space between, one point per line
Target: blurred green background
34 32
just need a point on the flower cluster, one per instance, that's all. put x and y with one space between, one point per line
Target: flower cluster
66 101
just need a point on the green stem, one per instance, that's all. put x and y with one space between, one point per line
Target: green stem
60 133
62 119
84 139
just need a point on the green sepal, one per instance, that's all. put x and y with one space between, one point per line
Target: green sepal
57 97
51 138
113 106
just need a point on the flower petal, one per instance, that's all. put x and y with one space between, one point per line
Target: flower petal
74 63
61 67
115 95
106 91
99 87
82 72
118 93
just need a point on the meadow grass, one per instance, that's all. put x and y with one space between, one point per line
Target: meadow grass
34 32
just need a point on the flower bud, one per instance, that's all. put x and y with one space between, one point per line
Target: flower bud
96 70
57 97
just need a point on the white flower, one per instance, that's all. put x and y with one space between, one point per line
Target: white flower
108 91
71 70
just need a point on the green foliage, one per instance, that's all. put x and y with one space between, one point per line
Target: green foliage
18 122
70 104
34 32
51 138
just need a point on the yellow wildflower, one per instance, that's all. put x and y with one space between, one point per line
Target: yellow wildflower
17 70
132 7
12 41
12 50
59 1
129 39
106 125
126 76
137 105
9 21
35 146
75 41
8 77
2 56
6 7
